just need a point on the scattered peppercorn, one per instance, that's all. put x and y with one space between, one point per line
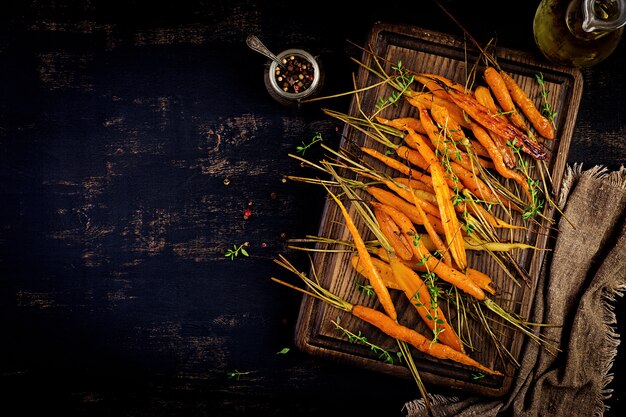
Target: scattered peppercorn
296 76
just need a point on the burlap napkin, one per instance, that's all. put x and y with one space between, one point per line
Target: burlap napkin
578 289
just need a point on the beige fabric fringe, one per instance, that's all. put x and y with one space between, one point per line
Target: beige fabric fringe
580 283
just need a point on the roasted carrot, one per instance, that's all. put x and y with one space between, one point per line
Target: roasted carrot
428 99
484 97
415 185
435 238
441 116
477 148
378 285
412 156
417 197
427 79
415 140
400 244
449 220
411 186
541 123
431 85
386 324
451 226
384 270
440 246
391 199
415 339
398 165
445 272
464 177
401 123
492 122
483 137
499 89
443 146
460 207
459 151
481 279
417 292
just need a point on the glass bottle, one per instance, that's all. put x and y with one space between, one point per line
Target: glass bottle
579 33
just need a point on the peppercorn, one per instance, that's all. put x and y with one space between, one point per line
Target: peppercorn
296 76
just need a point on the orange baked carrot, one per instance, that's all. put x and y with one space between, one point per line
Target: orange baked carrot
442 117
405 188
499 89
435 238
415 185
481 279
391 199
464 177
460 207
441 145
415 339
483 95
417 292
384 270
427 79
387 325
416 197
376 281
412 285
398 165
483 137
492 122
451 226
541 123
414 156
402 123
453 128
445 272
428 99
449 220
400 244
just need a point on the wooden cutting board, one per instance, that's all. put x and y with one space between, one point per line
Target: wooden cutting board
426 51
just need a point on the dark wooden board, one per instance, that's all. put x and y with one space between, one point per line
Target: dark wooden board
427 51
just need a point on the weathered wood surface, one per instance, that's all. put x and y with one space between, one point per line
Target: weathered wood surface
133 137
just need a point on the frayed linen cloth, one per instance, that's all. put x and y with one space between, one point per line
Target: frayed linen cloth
578 288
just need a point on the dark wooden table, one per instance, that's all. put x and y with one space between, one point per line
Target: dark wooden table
134 137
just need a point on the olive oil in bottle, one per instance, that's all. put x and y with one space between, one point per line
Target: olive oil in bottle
559 34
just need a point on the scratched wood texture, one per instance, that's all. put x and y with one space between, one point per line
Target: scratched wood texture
133 138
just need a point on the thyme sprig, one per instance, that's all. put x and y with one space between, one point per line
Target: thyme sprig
301 149
237 250
359 338
547 109
237 374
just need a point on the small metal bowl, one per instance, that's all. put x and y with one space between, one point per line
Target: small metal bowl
290 98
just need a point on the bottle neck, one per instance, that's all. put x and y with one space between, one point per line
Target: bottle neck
603 15
589 20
